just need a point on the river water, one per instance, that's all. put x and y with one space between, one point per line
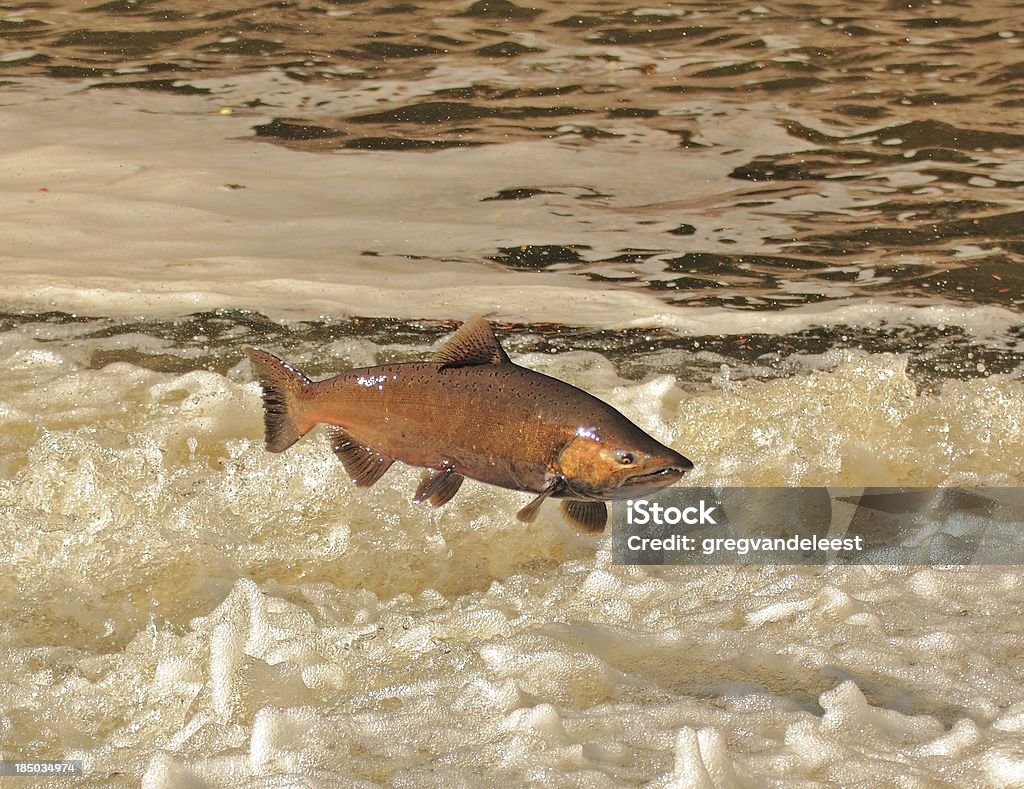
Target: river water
785 238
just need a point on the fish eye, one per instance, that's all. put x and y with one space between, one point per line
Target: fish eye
623 457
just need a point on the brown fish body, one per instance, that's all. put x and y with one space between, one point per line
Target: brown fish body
500 424
471 412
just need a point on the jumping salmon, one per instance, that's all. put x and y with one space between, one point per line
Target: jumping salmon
471 412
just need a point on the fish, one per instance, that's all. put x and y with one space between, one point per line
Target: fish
471 412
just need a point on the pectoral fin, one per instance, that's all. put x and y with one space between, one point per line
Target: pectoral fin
438 485
589 517
529 513
364 464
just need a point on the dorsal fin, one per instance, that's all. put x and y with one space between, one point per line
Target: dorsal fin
473 343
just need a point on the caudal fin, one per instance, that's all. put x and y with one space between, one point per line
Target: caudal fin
282 389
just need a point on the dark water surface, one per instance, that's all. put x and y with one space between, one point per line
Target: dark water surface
211 341
876 152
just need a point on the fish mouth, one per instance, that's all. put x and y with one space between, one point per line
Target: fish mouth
659 474
659 477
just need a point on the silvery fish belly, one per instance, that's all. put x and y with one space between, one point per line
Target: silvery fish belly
471 412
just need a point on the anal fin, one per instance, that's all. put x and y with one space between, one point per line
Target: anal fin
589 517
439 485
364 464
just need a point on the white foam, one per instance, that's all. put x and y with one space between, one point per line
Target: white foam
188 610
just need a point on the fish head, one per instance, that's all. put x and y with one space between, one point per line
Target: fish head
618 463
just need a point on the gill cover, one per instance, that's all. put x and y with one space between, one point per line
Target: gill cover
586 465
